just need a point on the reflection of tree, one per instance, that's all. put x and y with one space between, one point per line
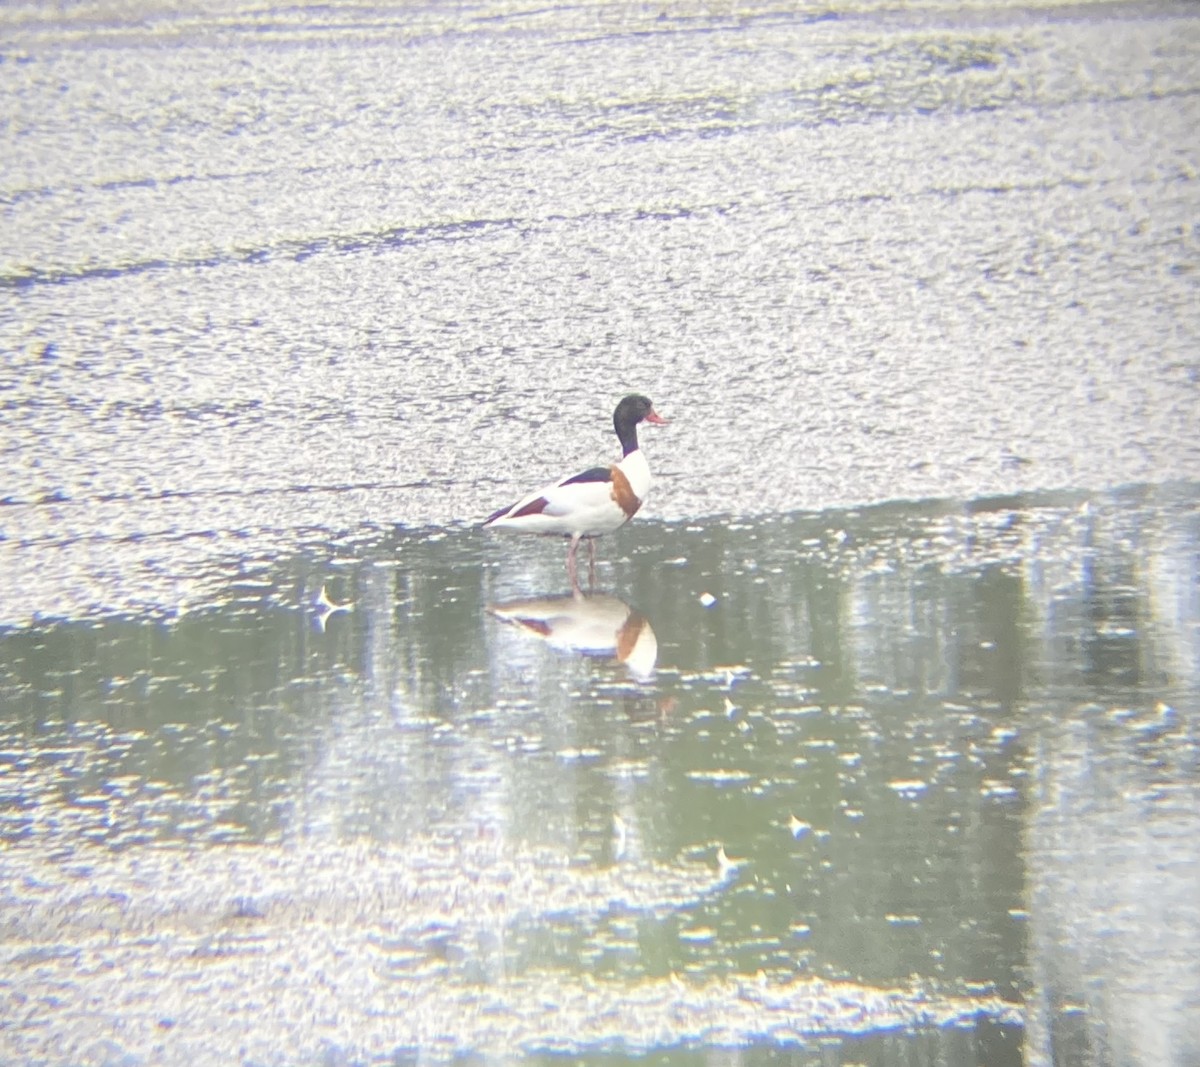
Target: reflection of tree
1114 893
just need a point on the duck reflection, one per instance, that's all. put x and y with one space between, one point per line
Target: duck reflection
593 624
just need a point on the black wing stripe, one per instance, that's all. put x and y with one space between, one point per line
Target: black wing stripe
592 474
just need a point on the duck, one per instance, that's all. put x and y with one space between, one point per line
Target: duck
593 502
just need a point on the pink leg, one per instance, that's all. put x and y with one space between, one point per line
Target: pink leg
591 564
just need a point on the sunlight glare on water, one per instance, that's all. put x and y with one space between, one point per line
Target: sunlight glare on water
878 742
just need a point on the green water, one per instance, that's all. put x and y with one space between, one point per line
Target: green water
941 758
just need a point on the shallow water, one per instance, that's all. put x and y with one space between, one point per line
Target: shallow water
940 761
879 743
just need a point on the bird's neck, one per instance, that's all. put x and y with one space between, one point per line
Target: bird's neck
627 435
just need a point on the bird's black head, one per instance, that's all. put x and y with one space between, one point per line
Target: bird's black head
630 411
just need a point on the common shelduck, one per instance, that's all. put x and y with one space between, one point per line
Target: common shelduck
595 501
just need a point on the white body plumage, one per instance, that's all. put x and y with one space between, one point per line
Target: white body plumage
582 508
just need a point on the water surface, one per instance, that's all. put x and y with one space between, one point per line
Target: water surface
878 741
267 269
909 767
